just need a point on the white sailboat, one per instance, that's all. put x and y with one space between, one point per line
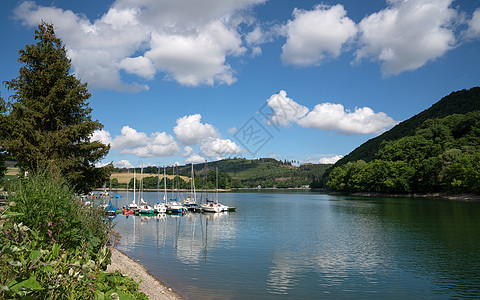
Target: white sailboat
191 201
144 208
161 208
209 206
222 207
174 206
133 206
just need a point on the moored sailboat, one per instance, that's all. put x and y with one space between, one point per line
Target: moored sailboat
161 208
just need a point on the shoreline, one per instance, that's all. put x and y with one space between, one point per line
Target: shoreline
440 196
153 287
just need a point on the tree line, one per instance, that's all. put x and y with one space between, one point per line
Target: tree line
442 156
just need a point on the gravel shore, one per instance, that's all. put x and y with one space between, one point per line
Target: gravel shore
151 286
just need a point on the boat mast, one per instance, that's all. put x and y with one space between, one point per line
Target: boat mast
158 184
192 185
164 185
134 184
141 185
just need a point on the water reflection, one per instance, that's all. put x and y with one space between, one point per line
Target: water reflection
309 245
189 236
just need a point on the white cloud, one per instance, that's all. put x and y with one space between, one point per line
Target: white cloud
316 35
188 151
473 30
285 110
276 156
139 143
130 138
232 130
407 34
217 147
190 131
140 66
198 57
329 116
330 160
194 158
159 144
96 49
185 13
123 164
188 40
102 136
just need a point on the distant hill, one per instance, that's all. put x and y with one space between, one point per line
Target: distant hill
460 102
250 173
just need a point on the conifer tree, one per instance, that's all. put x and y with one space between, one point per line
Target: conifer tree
48 123
3 167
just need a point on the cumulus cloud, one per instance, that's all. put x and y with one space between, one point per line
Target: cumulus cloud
330 160
194 158
190 131
122 164
96 49
473 30
188 151
140 144
189 41
327 116
285 110
102 136
199 57
407 34
129 138
218 147
316 35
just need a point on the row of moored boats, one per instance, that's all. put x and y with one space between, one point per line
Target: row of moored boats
174 205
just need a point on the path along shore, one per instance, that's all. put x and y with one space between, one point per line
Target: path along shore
150 285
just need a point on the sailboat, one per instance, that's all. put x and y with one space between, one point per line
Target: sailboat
132 207
191 201
144 208
174 206
208 206
161 208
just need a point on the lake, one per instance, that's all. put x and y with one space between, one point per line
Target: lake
307 245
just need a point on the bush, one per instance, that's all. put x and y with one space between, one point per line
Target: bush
53 247
32 270
47 204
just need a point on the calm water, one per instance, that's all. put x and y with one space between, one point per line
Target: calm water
305 245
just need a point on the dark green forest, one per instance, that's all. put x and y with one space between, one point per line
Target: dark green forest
442 156
242 173
459 102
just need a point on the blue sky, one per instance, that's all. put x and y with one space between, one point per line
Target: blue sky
189 80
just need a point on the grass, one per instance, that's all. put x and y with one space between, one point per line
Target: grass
125 177
12 171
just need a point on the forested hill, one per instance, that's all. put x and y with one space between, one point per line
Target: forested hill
460 102
442 155
249 173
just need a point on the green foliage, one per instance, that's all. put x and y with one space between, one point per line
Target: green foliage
62 253
3 166
48 204
31 269
460 102
443 156
267 172
48 123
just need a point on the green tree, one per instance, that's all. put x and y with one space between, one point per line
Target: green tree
3 167
48 123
